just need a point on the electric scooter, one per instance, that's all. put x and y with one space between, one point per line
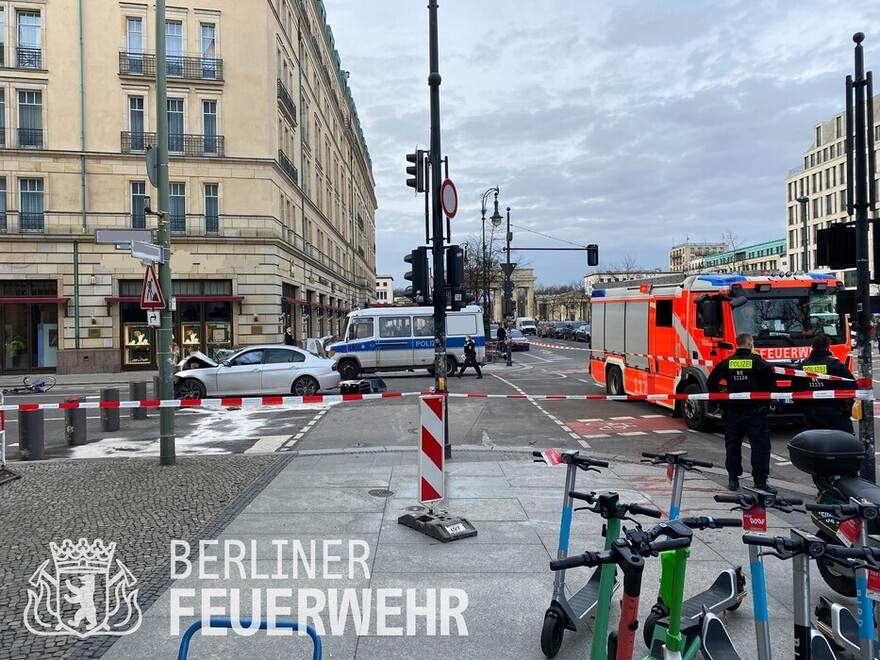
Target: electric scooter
753 504
607 505
854 636
567 613
726 592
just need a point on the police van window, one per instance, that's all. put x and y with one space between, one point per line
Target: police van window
423 326
360 329
394 326
663 316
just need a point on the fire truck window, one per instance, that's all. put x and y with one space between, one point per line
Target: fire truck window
664 314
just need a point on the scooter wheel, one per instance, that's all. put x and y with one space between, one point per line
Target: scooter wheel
551 633
840 582
651 623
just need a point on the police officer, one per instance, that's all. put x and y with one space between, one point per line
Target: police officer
470 357
826 413
745 371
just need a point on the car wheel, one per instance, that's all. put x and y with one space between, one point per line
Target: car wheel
348 369
305 386
614 382
190 388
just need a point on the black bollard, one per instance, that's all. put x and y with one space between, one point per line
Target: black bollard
110 416
30 435
75 425
138 392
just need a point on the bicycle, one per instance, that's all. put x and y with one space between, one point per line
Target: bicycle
35 385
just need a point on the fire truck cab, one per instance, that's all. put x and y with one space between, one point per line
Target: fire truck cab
662 335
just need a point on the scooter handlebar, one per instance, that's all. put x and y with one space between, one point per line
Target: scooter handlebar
585 559
669 544
704 522
849 510
640 510
676 457
732 499
584 497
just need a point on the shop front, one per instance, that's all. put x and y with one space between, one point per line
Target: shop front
29 325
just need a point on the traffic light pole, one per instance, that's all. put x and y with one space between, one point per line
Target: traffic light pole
437 220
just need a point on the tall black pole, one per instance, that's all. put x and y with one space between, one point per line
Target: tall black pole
508 284
859 186
437 219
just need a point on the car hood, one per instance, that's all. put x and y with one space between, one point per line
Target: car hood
196 360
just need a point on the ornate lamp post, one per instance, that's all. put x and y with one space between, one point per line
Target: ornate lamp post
803 200
496 221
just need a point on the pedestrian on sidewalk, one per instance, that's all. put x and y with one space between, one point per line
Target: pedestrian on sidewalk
826 413
745 371
288 338
470 357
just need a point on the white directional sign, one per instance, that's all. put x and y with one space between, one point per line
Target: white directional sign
153 319
147 252
151 294
108 236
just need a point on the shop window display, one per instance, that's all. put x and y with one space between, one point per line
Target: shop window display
137 344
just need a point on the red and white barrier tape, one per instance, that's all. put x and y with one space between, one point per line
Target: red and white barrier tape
786 371
258 402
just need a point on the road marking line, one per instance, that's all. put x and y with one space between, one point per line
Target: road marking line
667 431
584 444
651 416
595 419
784 463
624 417
596 435
566 428
574 435
633 433
268 444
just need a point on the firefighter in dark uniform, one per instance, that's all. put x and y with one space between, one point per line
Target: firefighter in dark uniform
826 413
470 357
745 371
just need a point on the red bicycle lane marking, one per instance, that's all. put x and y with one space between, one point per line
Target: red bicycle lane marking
627 425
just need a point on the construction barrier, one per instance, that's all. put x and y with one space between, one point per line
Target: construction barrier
432 477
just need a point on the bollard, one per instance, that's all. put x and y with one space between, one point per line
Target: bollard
30 435
110 416
138 392
157 391
75 425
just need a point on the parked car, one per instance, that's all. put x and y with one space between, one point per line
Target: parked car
559 329
256 370
518 341
582 333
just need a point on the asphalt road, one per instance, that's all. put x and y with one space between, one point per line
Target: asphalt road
550 367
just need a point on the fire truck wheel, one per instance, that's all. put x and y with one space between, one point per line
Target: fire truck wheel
614 381
694 412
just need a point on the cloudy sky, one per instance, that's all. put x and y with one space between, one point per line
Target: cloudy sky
634 124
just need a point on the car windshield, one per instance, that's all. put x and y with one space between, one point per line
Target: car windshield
516 334
789 321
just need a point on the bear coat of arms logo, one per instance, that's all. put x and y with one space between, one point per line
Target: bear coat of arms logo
89 592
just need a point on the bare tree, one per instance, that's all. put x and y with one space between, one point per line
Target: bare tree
627 264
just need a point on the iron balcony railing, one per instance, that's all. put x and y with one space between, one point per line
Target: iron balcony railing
178 143
22 138
187 67
286 101
2 54
28 58
287 167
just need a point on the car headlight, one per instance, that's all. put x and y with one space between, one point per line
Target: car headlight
330 352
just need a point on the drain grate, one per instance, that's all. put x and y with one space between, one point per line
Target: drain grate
380 492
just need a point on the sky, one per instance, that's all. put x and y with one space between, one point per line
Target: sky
632 124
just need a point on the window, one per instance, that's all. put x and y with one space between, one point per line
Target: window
175 125
394 326
248 358
212 209
177 211
174 47
423 325
134 38
29 54
2 115
209 126
2 38
209 54
284 356
838 127
3 204
30 119
138 217
136 122
818 136
31 205
360 329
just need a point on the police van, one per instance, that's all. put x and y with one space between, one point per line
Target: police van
402 339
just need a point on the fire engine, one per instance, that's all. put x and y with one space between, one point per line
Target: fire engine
662 335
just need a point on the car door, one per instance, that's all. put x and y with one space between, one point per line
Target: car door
280 368
394 346
242 376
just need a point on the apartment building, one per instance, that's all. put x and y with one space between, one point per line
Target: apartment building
816 191
272 207
763 258
683 255
384 289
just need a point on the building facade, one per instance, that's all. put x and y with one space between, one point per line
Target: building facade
820 185
767 257
384 289
272 203
682 256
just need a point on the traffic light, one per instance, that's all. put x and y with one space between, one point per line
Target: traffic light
416 171
419 290
455 276
592 254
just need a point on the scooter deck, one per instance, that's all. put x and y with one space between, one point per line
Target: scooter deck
716 642
723 593
581 605
838 623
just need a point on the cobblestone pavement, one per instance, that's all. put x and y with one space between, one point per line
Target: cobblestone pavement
133 502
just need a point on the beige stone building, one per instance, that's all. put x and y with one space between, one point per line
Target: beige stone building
272 193
682 257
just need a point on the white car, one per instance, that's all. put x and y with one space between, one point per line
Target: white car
256 370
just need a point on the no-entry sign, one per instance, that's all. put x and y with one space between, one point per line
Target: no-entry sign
449 198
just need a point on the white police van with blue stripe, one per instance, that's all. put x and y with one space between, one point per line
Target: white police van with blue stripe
402 339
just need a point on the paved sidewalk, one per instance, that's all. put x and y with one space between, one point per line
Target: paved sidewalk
357 498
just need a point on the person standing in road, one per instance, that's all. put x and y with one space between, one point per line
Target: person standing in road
470 357
826 413
745 371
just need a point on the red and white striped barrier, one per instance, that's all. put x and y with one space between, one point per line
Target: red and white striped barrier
432 479
786 371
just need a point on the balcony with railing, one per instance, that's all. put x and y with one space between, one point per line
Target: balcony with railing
22 138
287 167
2 54
186 67
286 101
27 57
178 143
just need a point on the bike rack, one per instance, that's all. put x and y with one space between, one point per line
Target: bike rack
247 623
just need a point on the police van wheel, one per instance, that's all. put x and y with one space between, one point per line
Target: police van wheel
694 412
348 369
451 365
614 382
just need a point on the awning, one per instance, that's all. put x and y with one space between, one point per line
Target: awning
33 300
297 301
136 299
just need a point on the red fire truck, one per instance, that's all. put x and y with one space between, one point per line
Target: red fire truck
661 336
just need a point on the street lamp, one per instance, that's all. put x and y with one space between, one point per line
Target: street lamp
496 220
803 200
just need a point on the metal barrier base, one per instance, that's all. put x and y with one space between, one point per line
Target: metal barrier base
7 475
440 526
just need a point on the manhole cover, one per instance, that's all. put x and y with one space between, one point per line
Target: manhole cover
415 508
380 492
